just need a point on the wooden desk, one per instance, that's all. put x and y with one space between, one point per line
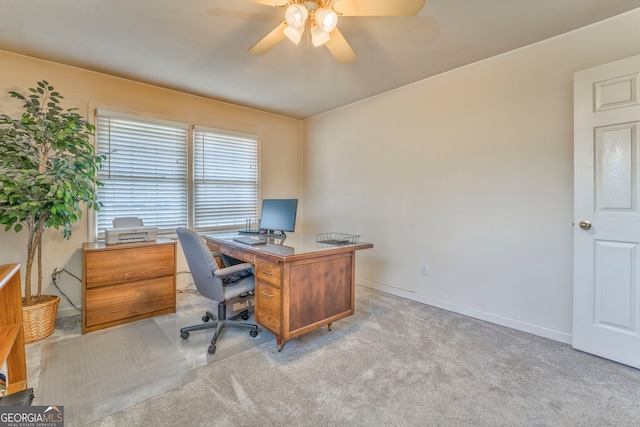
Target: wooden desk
301 285
127 282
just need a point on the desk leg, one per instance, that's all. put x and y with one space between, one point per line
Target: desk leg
279 343
329 326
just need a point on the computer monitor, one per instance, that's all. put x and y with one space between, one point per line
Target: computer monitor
278 216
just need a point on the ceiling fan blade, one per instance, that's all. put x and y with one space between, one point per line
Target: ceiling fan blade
276 3
340 47
378 7
240 16
270 40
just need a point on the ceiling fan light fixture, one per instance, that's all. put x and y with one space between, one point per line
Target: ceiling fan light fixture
294 34
327 19
296 15
321 16
318 36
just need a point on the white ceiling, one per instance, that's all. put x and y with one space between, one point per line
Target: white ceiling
200 46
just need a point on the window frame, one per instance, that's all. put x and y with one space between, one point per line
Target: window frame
192 189
95 234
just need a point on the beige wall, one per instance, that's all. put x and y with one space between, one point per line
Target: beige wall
280 145
470 172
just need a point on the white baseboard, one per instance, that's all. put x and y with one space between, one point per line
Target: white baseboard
67 312
488 317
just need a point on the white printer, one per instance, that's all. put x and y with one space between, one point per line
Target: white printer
129 230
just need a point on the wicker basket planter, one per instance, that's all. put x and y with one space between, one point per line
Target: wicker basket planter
39 319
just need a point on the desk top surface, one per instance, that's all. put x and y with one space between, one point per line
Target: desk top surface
294 244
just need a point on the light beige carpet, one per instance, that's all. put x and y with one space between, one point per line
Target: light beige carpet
394 363
103 372
401 363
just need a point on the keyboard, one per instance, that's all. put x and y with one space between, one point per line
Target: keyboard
249 240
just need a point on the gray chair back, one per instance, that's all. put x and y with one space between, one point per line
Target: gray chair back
202 264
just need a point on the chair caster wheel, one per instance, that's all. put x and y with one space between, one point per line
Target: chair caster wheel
205 318
245 316
211 349
184 335
253 333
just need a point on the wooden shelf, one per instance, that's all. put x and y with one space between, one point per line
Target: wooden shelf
16 386
8 335
11 329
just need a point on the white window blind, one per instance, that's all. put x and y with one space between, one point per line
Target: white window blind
145 173
225 179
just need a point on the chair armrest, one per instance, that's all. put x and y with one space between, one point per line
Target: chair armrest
233 269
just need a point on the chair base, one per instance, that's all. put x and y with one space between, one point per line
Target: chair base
220 323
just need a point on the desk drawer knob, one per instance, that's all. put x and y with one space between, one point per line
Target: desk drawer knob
270 273
267 294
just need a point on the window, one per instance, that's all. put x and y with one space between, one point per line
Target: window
225 179
146 174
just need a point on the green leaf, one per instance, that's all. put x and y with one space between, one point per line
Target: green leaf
56 193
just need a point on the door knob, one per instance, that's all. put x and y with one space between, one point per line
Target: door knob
585 225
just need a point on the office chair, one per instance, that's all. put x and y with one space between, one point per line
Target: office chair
209 282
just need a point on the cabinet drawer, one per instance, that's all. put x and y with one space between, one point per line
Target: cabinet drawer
269 307
113 303
108 267
269 273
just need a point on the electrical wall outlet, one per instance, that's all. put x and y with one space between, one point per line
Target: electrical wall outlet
55 274
424 268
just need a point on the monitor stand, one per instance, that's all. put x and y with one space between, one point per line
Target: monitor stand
274 234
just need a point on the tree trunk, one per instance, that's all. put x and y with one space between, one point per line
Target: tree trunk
33 246
31 250
40 230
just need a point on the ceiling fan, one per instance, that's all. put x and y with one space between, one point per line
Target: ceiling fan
321 18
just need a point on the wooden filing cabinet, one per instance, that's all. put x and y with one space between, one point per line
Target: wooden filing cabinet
127 282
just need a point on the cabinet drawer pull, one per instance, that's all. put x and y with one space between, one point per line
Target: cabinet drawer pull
270 273
267 294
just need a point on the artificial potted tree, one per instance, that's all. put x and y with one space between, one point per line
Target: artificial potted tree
48 171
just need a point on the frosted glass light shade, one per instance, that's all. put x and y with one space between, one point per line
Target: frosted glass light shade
296 15
294 34
319 37
327 19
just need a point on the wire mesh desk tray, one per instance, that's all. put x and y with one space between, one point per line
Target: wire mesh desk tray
336 239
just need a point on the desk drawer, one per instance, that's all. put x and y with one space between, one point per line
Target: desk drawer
237 254
213 247
269 273
269 307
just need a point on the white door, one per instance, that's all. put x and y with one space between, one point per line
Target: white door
606 302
